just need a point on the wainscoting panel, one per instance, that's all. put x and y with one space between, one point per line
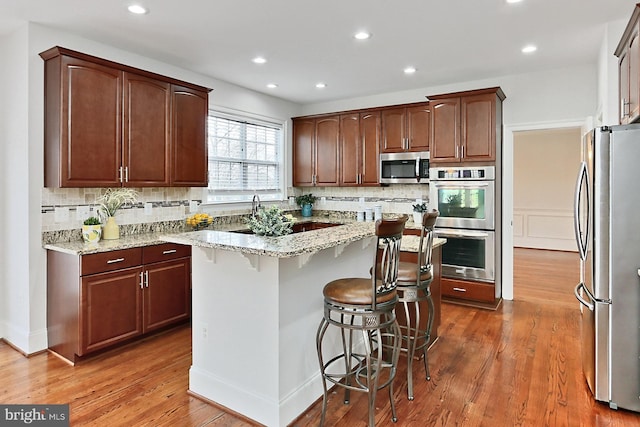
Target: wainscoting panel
544 229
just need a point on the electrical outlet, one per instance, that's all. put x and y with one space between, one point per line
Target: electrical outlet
193 206
82 212
323 200
61 214
292 201
148 208
205 331
361 200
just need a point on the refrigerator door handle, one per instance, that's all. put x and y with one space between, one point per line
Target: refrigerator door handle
576 292
582 241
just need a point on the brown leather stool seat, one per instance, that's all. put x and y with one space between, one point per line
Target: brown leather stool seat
363 311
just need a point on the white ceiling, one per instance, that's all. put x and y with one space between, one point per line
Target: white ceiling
308 41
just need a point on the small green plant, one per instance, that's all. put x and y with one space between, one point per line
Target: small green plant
420 207
270 221
114 198
306 199
92 220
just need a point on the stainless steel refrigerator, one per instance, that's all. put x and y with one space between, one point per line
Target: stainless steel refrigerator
607 227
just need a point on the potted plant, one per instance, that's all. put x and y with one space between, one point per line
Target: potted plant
418 210
306 201
91 230
110 202
270 222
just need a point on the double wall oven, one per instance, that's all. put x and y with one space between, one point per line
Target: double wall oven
465 197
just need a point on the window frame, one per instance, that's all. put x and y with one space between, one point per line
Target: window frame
255 119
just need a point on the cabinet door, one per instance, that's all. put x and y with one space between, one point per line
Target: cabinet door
623 88
393 130
418 127
634 77
111 308
147 120
327 163
90 131
189 167
370 148
166 293
349 149
445 130
303 154
478 128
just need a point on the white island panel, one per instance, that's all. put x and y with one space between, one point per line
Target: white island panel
261 314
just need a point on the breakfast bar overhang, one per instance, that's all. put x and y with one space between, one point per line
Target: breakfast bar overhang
257 302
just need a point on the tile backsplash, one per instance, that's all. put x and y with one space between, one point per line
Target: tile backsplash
64 209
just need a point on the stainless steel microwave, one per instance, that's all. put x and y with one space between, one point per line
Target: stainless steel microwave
404 168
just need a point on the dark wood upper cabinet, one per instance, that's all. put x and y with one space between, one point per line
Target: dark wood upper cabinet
316 151
359 148
190 161
109 125
405 128
466 126
628 53
147 124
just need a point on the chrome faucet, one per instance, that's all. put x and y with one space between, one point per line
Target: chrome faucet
255 205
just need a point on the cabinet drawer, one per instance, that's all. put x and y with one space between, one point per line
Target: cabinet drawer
463 289
109 261
164 252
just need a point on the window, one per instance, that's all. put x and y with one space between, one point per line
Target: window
245 157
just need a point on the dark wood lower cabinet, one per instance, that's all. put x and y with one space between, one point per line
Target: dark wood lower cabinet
456 289
97 301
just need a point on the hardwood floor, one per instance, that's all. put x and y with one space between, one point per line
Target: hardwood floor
516 366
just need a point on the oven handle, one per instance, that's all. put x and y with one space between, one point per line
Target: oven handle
466 233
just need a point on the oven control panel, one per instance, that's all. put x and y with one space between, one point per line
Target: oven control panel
463 173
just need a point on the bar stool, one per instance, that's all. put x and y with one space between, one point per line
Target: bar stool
414 286
365 306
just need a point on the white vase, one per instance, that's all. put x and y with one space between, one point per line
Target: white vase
417 218
91 233
111 230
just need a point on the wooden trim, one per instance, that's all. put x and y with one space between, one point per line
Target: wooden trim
19 350
57 50
633 21
497 90
363 110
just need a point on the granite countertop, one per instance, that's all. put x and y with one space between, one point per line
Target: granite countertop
222 237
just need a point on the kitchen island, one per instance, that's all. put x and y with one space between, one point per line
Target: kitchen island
256 305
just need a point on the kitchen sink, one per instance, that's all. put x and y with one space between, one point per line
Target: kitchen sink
299 227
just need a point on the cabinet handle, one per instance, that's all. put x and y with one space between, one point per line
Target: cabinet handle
171 251
456 155
113 261
126 174
120 174
141 281
146 278
462 152
460 289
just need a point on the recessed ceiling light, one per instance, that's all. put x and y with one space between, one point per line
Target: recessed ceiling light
321 85
272 85
409 70
137 9
362 35
259 60
529 49
514 1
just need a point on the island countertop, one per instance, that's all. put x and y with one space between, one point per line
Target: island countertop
224 237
